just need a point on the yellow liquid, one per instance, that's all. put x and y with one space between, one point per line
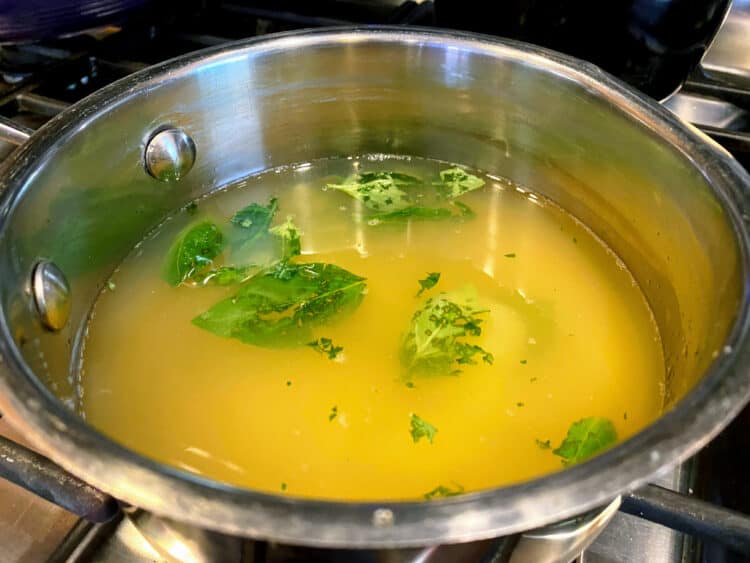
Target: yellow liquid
571 333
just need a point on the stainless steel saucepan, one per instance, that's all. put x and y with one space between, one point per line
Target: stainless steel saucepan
90 184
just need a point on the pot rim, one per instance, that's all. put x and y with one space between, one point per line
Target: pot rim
167 491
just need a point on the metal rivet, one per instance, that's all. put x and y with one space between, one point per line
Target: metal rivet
170 154
382 518
51 293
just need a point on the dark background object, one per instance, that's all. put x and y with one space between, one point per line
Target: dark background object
33 20
651 44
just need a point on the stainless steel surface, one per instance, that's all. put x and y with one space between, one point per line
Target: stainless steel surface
35 473
170 154
40 104
728 52
177 542
13 133
629 539
562 543
670 204
706 111
690 515
50 291
30 528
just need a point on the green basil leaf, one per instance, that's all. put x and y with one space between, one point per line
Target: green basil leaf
435 343
281 305
586 438
379 191
290 239
455 182
192 252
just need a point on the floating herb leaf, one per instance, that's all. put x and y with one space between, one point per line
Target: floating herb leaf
333 414
415 213
290 239
326 346
443 491
255 219
435 341
379 191
420 428
281 305
464 210
225 275
429 282
586 438
455 182
397 178
192 252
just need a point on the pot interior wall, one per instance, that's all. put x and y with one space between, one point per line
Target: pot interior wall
516 115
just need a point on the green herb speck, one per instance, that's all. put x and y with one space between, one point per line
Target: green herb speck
443 491
420 428
510 255
410 384
524 362
519 404
191 208
429 282
625 416
546 445
326 346
283 486
333 414
288 383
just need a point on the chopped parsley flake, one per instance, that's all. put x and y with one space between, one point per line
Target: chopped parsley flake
429 282
524 362
326 346
443 491
333 414
420 428
510 255
546 445
283 486
288 383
